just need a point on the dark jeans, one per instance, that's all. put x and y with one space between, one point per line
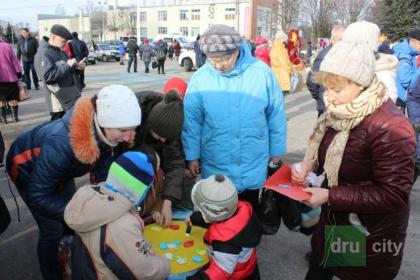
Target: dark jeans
130 60
51 231
29 66
146 66
251 196
161 65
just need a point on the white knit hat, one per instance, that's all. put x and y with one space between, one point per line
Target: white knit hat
363 31
281 36
352 60
215 197
117 107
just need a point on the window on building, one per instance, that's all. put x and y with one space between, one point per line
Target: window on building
162 30
184 31
183 14
143 32
143 16
195 14
195 31
229 13
162 16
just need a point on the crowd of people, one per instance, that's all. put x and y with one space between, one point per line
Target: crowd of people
207 146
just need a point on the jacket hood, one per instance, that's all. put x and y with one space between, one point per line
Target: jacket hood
260 40
94 206
82 131
245 59
405 48
386 62
43 43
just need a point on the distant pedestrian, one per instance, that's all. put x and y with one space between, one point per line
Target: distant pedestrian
262 51
147 52
198 53
161 51
10 73
59 73
317 90
171 51
27 47
177 49
121 51
280 62
80 52
407 71
309 53
132 49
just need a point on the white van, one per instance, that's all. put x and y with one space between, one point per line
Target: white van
169 38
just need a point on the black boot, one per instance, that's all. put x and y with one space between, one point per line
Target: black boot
15 113
4 114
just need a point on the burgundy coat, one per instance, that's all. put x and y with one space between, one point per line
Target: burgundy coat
375 181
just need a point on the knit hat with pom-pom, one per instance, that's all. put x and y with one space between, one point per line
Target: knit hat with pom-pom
167 117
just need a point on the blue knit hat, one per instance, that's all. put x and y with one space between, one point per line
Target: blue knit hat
131 175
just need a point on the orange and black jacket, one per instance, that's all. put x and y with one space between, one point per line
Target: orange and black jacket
232 246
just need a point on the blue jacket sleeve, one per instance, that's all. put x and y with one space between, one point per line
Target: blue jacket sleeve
413 103
276 119
193 124
50 169
407 72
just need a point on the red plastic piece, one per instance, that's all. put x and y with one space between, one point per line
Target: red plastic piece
174 227
189 243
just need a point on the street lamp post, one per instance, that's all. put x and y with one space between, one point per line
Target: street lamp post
138 21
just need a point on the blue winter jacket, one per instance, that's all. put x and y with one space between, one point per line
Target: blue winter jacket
235 121
413 102
44 158
121 49
407 70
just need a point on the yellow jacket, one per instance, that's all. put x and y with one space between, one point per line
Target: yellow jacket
281 65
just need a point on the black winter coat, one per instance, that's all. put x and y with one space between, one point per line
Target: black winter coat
79 48
32 49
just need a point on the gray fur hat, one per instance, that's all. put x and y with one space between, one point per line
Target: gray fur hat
220 40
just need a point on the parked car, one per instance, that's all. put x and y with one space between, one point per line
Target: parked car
187 59
180 38
105 52
113 44
91 59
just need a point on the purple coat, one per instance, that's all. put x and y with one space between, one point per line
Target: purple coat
9 64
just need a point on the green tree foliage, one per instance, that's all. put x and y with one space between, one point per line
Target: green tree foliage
399 17
8 35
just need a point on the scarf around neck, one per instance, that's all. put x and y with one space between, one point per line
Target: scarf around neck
343 118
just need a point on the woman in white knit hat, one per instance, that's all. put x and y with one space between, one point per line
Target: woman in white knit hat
44 161
365 147
386 64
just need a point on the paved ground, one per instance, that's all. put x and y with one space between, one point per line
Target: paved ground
280 256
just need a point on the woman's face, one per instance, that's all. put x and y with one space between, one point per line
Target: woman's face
225 63
344 95
118 135
157 137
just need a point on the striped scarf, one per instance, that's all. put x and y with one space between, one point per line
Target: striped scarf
343 118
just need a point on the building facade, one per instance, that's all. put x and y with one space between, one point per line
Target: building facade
185 17
79 24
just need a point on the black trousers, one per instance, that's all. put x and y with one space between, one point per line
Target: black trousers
161 65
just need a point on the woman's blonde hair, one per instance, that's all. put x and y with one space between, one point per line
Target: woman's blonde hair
330 80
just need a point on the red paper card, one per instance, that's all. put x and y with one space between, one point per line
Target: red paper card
281 182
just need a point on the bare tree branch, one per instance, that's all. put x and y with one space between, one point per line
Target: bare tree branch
288 13
349 11
320 14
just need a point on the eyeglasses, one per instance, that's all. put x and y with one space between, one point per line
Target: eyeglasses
222 61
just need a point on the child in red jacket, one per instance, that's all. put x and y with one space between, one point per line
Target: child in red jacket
233 230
